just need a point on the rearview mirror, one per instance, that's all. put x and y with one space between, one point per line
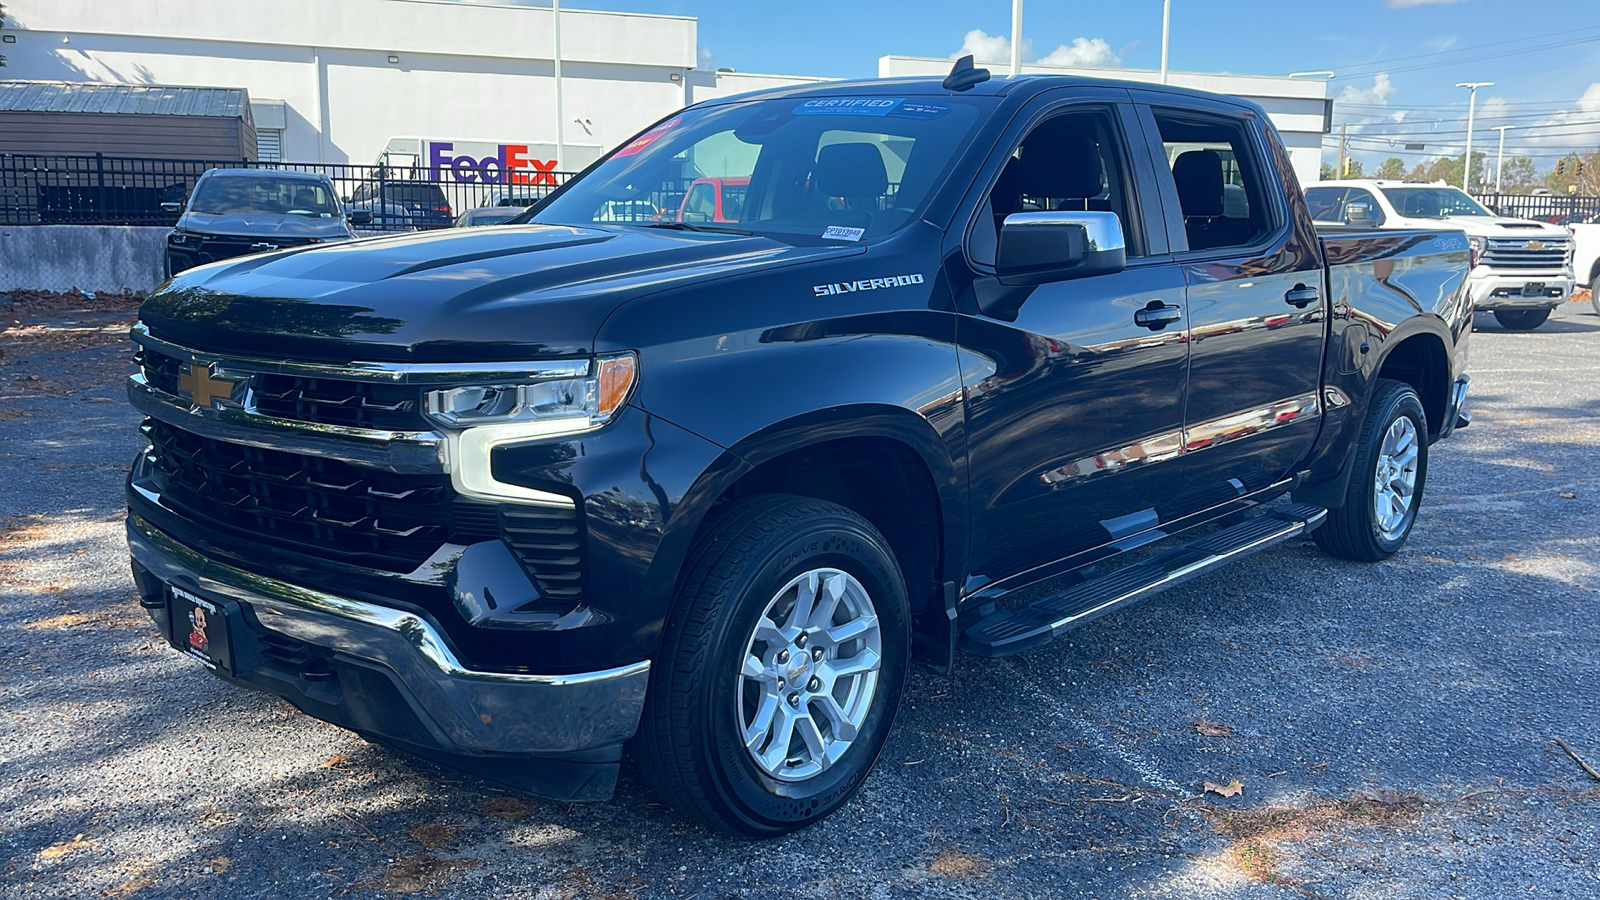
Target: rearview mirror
171 206
1041 247
359 216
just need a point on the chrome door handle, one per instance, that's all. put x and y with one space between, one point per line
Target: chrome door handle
1157 315
1301 296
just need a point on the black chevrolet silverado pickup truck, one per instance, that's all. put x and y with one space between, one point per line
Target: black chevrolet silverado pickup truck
519 498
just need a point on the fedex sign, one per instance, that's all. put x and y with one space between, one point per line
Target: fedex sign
504 164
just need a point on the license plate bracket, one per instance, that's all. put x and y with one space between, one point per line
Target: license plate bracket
1533 289
200 628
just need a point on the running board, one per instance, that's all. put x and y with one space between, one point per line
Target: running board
1011 631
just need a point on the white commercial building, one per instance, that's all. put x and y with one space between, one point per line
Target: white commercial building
463 83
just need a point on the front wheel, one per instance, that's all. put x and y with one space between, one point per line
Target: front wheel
1391 468
1521 319
781 667
1594 293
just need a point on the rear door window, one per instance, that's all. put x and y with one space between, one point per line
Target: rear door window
1219 177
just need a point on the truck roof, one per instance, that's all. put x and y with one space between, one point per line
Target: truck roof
1020 87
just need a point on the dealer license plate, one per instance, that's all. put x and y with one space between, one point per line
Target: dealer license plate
1533 289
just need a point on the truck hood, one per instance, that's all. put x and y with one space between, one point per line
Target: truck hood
454 295
1496 227
256 224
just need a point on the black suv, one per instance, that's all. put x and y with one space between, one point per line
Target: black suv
425 200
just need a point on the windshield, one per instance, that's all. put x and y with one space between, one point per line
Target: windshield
1433 202
279 196
803 171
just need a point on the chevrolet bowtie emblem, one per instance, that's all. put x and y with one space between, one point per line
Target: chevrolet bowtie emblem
1533 245
202 387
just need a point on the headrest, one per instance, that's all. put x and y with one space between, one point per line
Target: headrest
1068 166
851 170
1199 177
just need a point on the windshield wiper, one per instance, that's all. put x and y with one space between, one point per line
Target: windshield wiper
690 226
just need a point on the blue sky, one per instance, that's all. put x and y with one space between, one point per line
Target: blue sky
1397 60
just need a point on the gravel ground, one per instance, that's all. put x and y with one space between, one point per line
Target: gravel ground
1391 725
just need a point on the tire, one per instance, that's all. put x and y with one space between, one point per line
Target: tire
1358 530
1594 293
1521 319
729 644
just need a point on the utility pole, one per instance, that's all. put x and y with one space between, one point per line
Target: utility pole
1166 31
1500 158
1343 127
1016 38
561 118
1472 105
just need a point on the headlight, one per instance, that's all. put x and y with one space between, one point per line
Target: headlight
564 406
1479 247
183 238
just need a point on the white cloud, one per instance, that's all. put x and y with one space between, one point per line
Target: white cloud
1406 4
704 59
1590 101
996 48
1090 52
1377 95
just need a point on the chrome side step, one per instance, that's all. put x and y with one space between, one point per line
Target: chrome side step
1011 631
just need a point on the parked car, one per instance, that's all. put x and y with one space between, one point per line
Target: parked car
713 200
1586 257
639 210
386 218
425 200
518 498
232 212
1521 268
522 200
488 215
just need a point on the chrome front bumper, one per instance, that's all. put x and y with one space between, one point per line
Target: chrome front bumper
468 711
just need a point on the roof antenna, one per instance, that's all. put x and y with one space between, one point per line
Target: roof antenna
964 76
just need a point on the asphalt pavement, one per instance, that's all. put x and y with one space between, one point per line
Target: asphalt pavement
1391 727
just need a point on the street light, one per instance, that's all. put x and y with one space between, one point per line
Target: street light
561 145
1500 158
1016 38
1472 105
1166 29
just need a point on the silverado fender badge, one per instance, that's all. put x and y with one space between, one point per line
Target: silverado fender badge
865 284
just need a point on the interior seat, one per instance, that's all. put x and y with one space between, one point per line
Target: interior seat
854 174
1198 174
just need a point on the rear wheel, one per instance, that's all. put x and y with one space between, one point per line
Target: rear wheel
1391 469
1521 319
781 667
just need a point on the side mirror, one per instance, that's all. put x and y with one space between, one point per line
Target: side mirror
171 206
359 216
1041 247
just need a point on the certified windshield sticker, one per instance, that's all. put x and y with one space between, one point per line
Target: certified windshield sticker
843 233
848 106
866 284
648 138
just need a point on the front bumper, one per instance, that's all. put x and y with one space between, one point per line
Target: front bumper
1493 289
391 675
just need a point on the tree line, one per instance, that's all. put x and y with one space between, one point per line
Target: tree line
1521 174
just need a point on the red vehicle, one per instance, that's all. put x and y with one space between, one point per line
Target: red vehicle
713 200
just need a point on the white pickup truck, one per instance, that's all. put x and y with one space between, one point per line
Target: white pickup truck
1521 269
1586 258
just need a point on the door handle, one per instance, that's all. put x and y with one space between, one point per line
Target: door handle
1301 296
1157 315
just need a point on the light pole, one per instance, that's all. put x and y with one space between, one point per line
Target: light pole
1166 30
1500 158
1016 38
1472 105
561 121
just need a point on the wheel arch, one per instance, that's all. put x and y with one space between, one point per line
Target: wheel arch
886 463
1418 356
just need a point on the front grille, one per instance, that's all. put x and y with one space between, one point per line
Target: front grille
323 507
548 540
1513 254
333 401
227 246
324 401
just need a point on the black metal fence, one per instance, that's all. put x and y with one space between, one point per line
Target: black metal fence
1563 209
110 190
